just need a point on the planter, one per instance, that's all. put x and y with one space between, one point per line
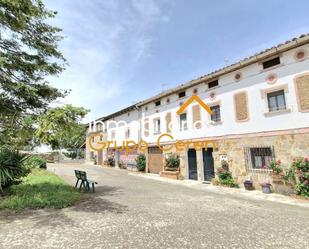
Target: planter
266 188
170 174
278 178
248 184
172 169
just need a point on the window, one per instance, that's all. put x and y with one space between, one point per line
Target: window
181 94
276 101
216 115
259 157
99 127
157 126
183 121
127 133
213 84
113 135
271 63
157 103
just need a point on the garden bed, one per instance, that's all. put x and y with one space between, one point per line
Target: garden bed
39 189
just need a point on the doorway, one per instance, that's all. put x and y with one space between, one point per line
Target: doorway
208 161
192 165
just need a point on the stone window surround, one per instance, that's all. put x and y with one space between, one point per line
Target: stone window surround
179 122
235 111
264 92
200 116
211 104
262 70
155 132
297 93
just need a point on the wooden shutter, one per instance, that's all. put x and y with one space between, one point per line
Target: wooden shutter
196 113
241 106
146 127
168 119
302 92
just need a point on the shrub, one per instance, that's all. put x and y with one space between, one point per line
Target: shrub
141 162
301 168
11 167
225 176
35 162
172 162
111 161
122 165
275 166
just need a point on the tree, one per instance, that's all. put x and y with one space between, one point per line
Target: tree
61 128
28 54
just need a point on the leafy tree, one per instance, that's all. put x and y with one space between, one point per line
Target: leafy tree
61 128
28 54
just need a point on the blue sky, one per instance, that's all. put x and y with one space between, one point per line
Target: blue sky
120 52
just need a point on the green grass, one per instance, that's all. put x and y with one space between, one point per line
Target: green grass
40 189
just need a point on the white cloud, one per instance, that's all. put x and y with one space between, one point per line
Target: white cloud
105 43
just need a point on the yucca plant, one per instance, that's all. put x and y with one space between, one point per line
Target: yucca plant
11 166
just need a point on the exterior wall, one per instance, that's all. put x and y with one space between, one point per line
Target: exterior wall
254 83
253 126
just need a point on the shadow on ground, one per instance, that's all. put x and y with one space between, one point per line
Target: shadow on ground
90 202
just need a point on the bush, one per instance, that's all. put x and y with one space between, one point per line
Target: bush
301 167
172 162
12 167
122 164
141 162
275 166
111 161
225 176
35 162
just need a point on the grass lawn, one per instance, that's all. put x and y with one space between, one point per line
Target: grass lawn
40 189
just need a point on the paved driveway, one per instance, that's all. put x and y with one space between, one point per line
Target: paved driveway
133 212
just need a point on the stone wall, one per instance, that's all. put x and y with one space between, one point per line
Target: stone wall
286 148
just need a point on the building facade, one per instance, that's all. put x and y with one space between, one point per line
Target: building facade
260 112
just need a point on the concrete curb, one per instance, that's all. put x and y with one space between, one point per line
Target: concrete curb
240 193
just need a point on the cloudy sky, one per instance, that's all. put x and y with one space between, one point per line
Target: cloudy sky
123 51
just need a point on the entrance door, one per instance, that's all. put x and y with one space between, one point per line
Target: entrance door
192 164
208 161
155 160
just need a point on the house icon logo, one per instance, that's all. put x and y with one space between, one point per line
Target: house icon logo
190 100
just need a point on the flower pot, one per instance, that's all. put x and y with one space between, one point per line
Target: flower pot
266 188
248 185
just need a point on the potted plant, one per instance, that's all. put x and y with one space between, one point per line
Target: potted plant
266 187
141 162
172 163
248 184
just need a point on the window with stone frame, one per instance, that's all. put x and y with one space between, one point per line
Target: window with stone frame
271 63
146 127
113 135
156 126
259 158
276 101
216 114
127 133
302 92
183 121
168 120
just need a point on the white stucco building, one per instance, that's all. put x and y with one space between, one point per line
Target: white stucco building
260 111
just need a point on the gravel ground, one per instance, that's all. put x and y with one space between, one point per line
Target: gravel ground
134 212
